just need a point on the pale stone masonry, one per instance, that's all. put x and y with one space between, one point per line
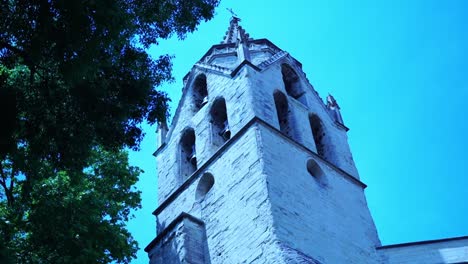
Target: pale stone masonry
449 250
256 168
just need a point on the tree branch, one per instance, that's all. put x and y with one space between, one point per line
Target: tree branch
13 173
3 182
8 191
16 50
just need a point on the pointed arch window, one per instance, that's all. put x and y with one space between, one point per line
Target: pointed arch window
200 92
318 133
282 111
188 155
221 131
292 83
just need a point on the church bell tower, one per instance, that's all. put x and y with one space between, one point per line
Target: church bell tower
256 167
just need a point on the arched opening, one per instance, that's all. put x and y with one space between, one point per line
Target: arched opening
200 92
204 186
282 110
188 155
221 131
318 133
315 171
292 83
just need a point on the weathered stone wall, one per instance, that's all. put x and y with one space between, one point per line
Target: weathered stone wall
247 94
236 211
325 217
184 241
266 82
454 250
239 110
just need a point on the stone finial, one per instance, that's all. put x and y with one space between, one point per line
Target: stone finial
331 102
334 108
161 130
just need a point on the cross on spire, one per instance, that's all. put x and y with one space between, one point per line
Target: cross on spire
232 12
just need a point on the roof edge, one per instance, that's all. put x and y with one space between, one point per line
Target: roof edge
415 243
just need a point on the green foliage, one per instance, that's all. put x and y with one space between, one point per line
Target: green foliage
75 86
73 72
76 218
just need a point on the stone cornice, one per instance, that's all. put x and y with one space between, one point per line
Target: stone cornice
273 59
213 67
171 226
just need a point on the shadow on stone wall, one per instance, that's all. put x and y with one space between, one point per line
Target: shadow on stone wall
292 255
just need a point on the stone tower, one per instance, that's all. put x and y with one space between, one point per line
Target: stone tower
256 168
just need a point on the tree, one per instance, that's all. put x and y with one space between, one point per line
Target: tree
76 83
77 218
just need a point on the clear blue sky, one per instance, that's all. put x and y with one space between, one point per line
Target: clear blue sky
399 70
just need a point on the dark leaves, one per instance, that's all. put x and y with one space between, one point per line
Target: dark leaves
75 87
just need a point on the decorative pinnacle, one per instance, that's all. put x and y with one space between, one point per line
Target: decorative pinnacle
235 32
331 102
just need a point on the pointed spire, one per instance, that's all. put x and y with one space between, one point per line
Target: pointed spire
243 52
237 35
235 32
